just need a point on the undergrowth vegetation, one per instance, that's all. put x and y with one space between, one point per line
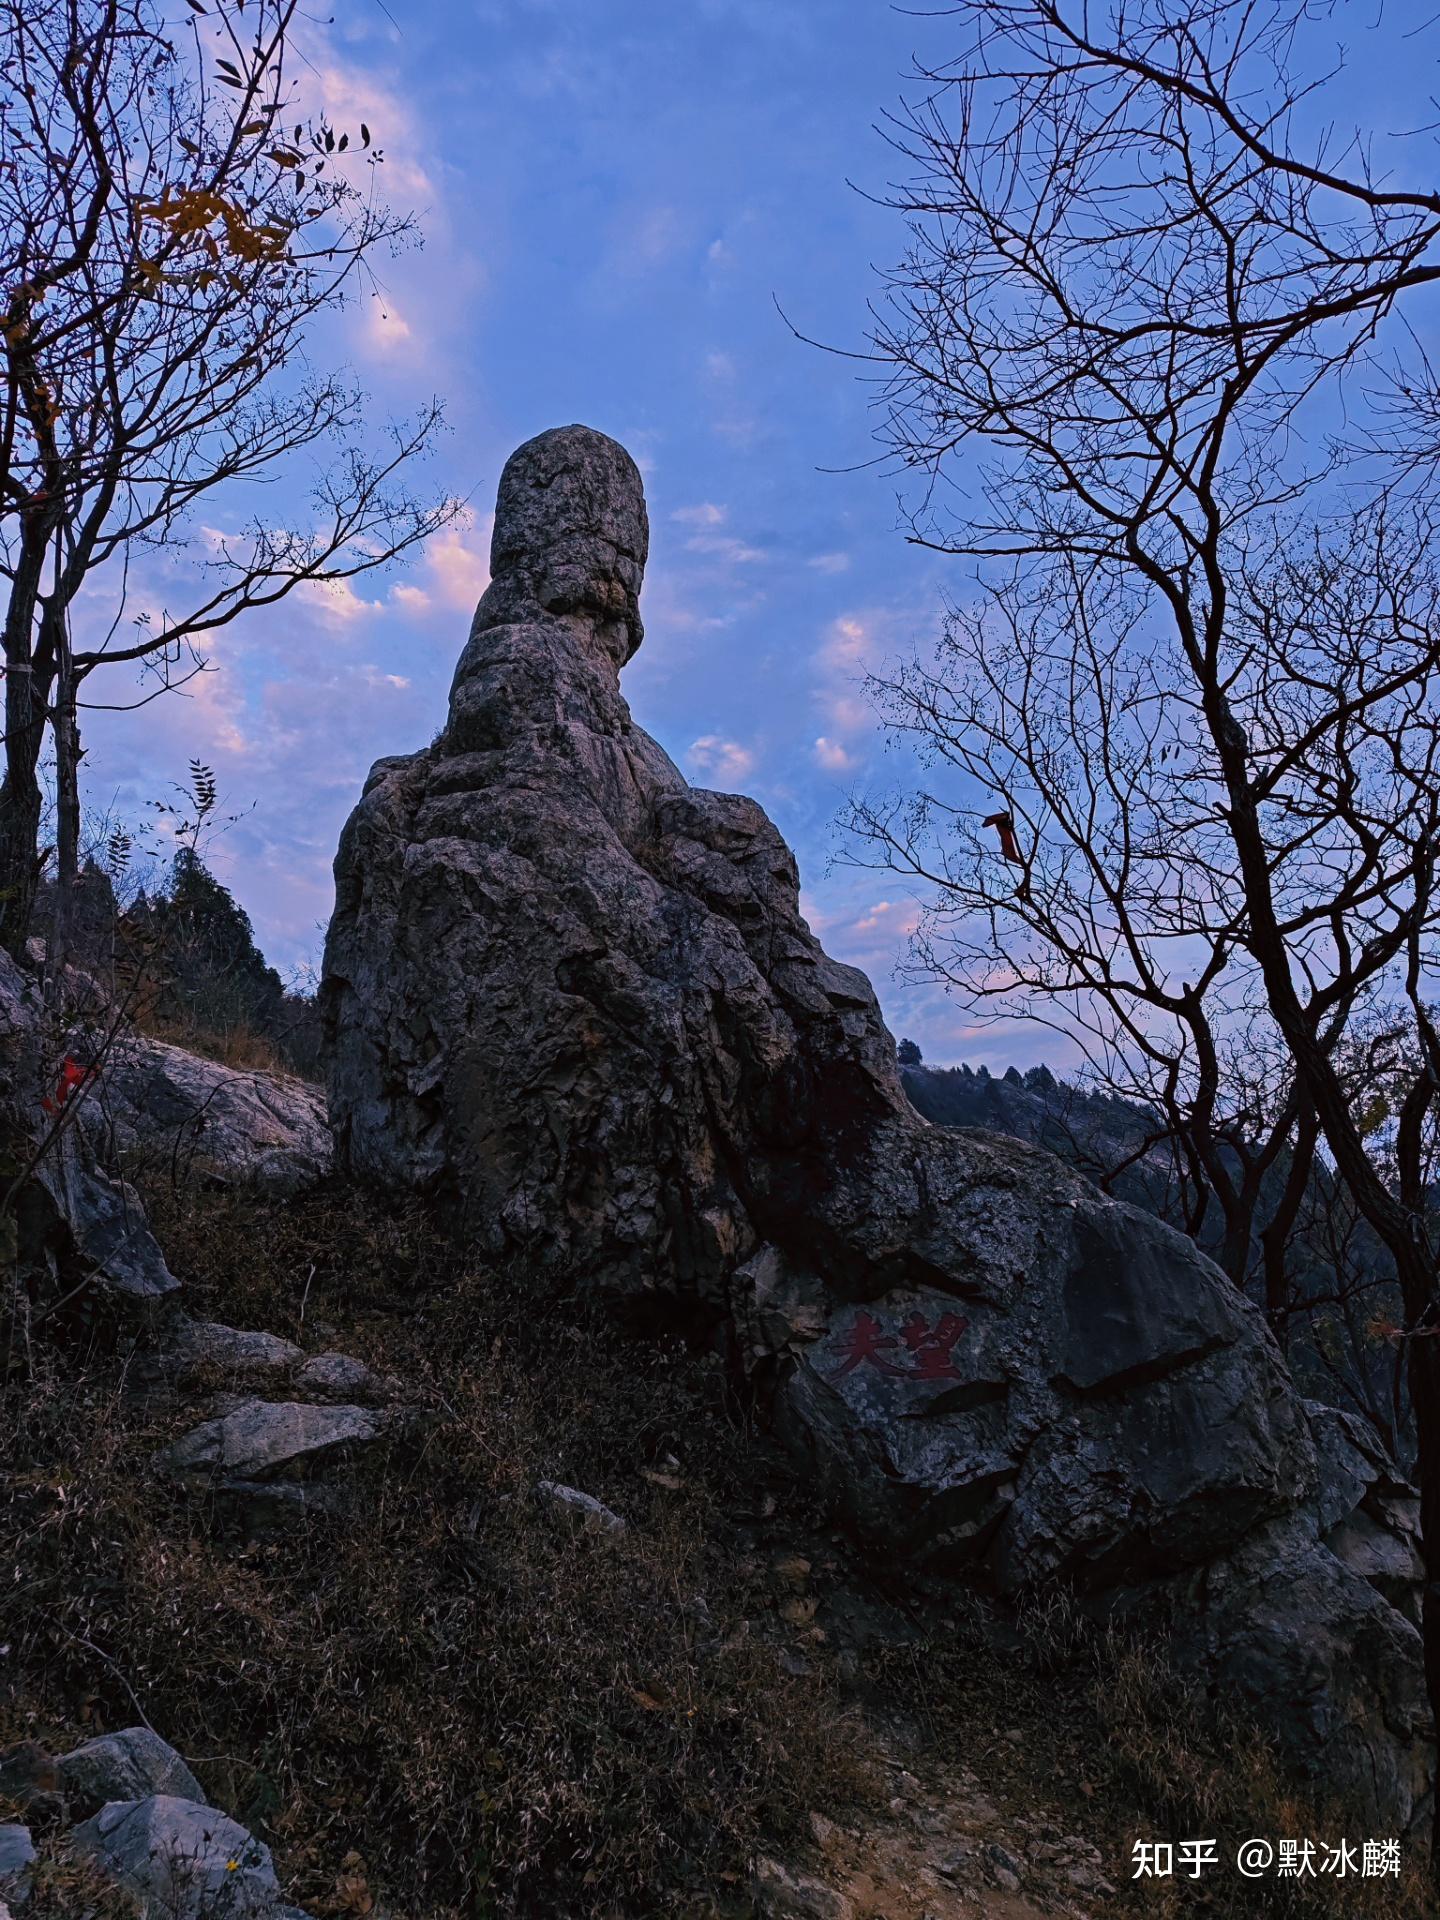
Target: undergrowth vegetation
454 1703
455 1696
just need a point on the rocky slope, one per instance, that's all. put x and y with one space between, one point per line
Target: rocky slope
269 1453
573 1000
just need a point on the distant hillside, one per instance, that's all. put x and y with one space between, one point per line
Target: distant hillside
1095 1132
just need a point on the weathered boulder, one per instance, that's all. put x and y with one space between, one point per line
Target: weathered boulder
17 1859
340 1376
1365 1513
1319 1656
197 1348
158 1103
21 1023
194 1354
106 1227
1096 1404
129 1765
263 1440
574 1000
185 1860
782 1893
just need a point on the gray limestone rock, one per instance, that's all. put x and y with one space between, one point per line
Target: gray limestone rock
129 1765
17 1857
265 1440
1366 1514
1315 1652
574 1001
783 1893
197 1347
185 1860
156 1103
85 1227
582 1506
339 1376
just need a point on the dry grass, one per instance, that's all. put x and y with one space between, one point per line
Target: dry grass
234 1043
1117 1741
64 1888
1199 1770
455 1697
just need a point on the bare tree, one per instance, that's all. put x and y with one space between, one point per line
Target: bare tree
170 226
1204 685
1117 916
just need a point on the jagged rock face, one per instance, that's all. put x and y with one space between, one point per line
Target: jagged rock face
574 999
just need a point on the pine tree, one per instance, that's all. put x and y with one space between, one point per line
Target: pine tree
218 975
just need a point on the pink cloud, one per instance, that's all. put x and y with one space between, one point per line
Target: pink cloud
725 759
832 756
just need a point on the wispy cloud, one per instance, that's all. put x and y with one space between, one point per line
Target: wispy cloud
725 548
829 562
724 759
388 334
460 573
455 570
896 916
706 519
352 95
832 756
338 603
411 310
643 239
732 418
850 647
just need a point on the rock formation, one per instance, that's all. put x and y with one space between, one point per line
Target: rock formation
184 1860
192 1116
574 1000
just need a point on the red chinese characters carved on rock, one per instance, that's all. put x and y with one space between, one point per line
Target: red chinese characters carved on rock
919 1351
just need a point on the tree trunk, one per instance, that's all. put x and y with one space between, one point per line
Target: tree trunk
1399 1227
28 674
1274 1237
1424 1372
19 865
67 807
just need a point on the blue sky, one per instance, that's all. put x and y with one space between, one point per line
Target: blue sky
614 195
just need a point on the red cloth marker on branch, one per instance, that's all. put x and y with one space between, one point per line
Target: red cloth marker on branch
1004 823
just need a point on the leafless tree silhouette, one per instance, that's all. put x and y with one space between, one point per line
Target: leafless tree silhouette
170 227
1201 670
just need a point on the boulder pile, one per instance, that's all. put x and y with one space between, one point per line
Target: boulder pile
146 1829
